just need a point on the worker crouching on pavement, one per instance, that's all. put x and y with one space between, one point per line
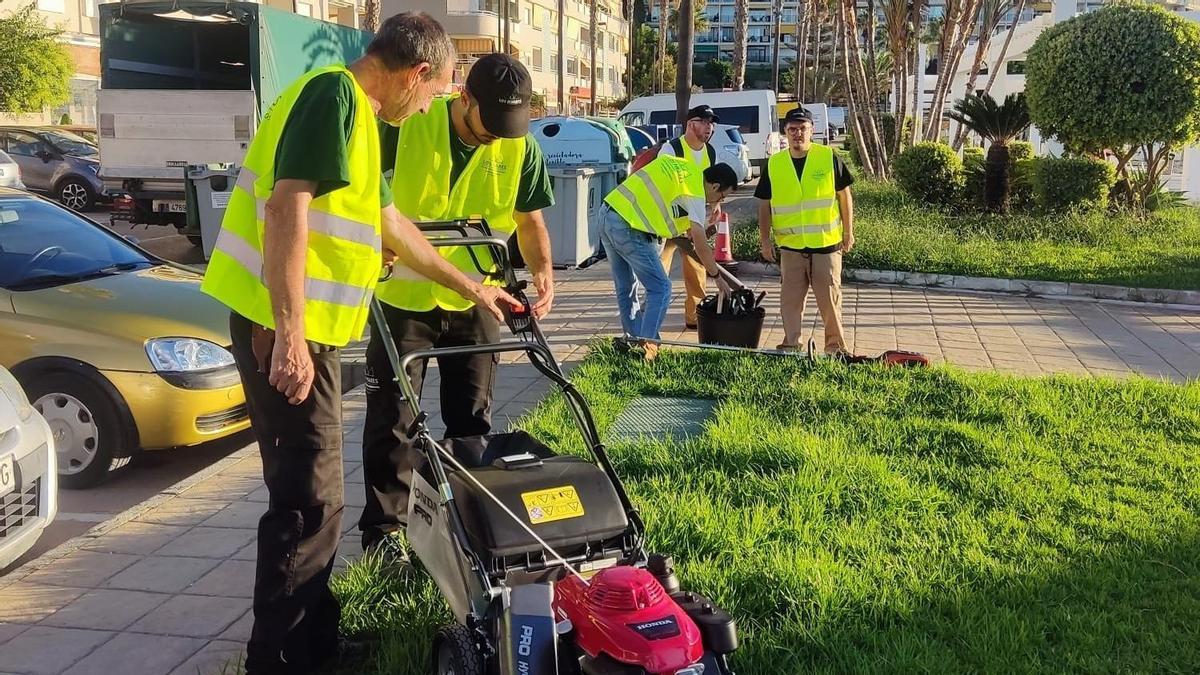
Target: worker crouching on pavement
470 155
297 259
693 146
665 199
805 204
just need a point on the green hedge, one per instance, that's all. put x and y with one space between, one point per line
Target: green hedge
930 172
1062 183
1018 150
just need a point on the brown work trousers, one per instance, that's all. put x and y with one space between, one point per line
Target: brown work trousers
822 272
693 279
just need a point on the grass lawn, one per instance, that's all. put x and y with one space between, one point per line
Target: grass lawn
894 233
872 520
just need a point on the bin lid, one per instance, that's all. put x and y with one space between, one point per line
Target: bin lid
573 141
202 171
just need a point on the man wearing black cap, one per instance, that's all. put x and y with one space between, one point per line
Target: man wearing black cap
805 203
693 146
470 155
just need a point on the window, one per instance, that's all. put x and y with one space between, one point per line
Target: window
612 74
1015 68
600 74
89 8
612 42
585 37
24 145
554 22
537 58
744 116
756 54
57 6
554 62
304 8
572 66
585 71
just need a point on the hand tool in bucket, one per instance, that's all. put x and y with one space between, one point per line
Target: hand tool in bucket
541 556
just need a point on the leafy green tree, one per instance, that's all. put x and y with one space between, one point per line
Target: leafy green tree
35 69
1125 78
718 73
645 66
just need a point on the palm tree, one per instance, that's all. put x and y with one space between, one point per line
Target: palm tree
991 13
371 16
741 26
663 13
998 125
685 59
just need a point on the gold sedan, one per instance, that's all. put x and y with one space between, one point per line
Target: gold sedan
119 350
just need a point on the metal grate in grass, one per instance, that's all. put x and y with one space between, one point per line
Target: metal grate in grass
659 417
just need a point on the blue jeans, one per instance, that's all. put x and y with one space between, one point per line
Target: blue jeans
635 260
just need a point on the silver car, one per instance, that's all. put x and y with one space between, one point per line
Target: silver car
56 162
10 172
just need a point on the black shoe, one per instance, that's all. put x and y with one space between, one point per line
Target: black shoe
389 546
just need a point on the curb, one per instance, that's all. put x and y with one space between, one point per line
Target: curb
75 543
1052 290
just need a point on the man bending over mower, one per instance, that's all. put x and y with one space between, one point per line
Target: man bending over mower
663 200
469 155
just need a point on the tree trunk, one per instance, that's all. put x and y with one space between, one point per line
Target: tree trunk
872 61
741 26
630 8
918 81
995 70
777 7
867 115
564 107
980 52
802 47
956 45
683 63
852 115
371 16
818 16
593 26
995 177
660 72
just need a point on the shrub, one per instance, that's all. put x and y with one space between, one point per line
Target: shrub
1061 183
1020 195
930 172
888 130
1018 150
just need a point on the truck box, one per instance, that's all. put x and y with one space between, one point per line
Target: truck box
184 82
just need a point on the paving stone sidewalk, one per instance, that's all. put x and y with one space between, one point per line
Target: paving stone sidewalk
164 588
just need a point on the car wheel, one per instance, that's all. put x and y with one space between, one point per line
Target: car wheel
85 424
75 193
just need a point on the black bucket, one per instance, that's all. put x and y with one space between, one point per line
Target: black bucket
729 330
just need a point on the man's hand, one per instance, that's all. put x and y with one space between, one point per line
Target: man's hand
715 214
493 298
291 368
847 241
544 285
767 250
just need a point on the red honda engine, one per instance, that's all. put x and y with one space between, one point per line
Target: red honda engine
626 614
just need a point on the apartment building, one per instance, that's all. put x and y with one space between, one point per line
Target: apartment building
477 27
79 21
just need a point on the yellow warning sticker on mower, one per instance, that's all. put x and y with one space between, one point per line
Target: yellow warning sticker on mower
547 506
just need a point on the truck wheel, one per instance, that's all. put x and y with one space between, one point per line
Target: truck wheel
85 424
75 193
455 652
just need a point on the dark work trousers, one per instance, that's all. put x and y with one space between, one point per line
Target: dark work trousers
466 394
295 614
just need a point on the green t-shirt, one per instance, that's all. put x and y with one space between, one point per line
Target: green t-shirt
315 142
534 192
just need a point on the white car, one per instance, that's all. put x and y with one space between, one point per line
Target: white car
28 474
10 172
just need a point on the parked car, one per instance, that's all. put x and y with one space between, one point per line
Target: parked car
727 140
28 485
118 349
87 131
58 163
10 172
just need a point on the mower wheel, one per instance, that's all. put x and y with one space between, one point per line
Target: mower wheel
455 652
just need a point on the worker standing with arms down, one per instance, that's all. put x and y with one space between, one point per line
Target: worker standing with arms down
296 261
805 202
693 146
665 199
470 155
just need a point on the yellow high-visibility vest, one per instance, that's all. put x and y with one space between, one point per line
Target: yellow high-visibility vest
487 187
343 260
804 212
646 200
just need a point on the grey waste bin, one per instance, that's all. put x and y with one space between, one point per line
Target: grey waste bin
587 160
208 190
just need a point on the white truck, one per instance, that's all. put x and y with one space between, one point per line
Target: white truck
184 82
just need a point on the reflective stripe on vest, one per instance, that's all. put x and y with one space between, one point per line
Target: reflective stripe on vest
343 256
645 200
487 187
804 209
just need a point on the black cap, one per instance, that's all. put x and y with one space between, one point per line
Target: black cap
502 88
798 115
703 112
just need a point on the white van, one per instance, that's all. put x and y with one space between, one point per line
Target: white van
752 111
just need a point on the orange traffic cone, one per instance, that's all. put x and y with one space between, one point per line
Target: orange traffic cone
722 252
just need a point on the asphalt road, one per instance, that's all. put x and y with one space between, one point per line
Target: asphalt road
80 510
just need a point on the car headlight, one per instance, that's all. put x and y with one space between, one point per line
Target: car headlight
186 355
13 391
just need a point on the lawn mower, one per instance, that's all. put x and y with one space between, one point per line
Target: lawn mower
541 556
